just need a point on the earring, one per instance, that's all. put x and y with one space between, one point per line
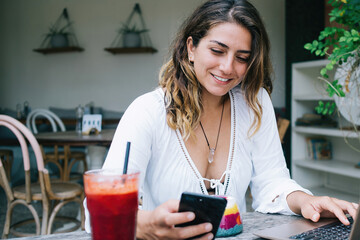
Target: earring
191 58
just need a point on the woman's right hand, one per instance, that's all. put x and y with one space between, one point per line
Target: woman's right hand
160 223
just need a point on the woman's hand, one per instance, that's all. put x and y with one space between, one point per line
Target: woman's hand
312 207
160 223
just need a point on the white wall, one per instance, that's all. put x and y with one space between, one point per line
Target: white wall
111 81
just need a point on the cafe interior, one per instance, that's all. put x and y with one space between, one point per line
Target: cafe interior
49 89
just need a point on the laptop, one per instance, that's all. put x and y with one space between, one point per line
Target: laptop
296 229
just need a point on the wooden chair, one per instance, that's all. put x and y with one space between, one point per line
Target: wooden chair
56 157
57 193
282 125
7 156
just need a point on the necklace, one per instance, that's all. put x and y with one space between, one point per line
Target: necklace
212 150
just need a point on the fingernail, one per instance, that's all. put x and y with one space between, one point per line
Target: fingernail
346 220
208 227
314 217
191 216
210 236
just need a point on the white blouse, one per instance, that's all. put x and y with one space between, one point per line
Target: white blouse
167 169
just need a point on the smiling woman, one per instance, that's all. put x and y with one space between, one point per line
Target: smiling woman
210 128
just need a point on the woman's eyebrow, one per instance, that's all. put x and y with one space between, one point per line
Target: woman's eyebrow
227 47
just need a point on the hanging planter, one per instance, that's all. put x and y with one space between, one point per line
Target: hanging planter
130 38
61 37
59 40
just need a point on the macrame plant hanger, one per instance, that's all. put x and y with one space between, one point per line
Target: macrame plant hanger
146 45
64 26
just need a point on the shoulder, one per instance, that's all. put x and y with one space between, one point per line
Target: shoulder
262 96
150 99
148 107
148 102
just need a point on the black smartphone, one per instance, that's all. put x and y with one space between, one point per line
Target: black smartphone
206 208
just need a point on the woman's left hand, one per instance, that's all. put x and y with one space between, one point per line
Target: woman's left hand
313 207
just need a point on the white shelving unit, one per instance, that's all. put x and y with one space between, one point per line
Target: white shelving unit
337 177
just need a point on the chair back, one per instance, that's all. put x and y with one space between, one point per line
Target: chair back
54 120
22 132
4 182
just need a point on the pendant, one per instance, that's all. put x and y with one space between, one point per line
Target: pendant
211 155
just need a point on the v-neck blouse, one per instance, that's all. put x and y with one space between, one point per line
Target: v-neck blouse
167 170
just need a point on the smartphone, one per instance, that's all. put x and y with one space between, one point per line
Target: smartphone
206 208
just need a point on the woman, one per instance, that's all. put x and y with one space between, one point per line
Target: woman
210 127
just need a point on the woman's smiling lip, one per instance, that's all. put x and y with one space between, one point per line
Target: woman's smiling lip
221 80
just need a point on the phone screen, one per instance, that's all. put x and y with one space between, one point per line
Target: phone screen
206 208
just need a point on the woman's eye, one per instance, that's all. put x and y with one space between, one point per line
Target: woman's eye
242 59
216 51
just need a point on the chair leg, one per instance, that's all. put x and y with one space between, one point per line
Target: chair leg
11 206
45 217
6 230
57 209
53 215
72 163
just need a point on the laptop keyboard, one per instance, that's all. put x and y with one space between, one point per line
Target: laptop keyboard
331 231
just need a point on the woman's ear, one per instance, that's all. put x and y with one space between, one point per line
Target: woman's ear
190 49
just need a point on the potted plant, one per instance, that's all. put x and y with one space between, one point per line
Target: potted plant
341 45
59 37
131 35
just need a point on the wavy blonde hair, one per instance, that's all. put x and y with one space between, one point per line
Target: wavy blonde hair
177 76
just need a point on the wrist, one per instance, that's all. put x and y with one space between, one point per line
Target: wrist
142 224
296 199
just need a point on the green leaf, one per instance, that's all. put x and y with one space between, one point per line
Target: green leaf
315 43
332 108
342 94
342 39
319 107
318 52
354 33
323 72
329 66
308 46
325 111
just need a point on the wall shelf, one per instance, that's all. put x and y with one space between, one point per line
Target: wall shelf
58 50
120 50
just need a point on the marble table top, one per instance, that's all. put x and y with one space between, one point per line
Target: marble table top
252 221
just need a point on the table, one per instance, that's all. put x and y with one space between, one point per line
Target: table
73 138
96 145
252 221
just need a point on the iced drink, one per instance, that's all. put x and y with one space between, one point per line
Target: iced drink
112 200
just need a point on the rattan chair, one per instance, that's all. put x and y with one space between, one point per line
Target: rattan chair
7 156
56 157
53 196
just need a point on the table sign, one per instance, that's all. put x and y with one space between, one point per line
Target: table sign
91 124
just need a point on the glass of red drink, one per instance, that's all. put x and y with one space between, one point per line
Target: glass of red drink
112 200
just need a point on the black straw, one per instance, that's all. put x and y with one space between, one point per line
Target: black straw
126 157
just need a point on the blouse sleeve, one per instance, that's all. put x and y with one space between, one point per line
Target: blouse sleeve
270 182
136 126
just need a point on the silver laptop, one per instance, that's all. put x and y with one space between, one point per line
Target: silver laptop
289 230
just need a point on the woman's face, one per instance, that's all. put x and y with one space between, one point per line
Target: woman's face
221 57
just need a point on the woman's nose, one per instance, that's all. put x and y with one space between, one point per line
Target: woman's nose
226 65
